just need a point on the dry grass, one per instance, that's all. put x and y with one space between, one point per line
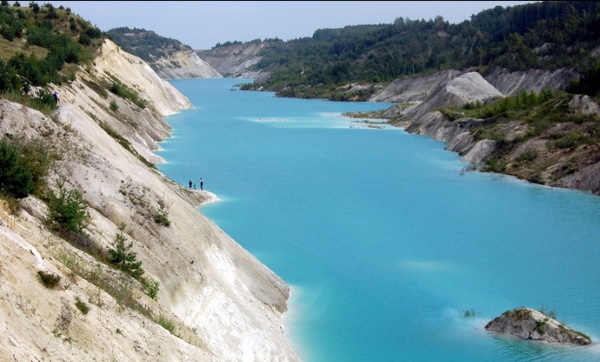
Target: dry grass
10 48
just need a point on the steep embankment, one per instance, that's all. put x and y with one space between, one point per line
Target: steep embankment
550 145
219 302
169 58
235 61
184 65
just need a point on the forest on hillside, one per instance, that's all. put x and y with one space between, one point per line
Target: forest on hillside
39 43
542 35
145 44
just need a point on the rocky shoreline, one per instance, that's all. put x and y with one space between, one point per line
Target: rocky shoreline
530 324
418 111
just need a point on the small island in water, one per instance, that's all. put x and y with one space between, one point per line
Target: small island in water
527 323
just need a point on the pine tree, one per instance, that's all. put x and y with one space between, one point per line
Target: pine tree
123 257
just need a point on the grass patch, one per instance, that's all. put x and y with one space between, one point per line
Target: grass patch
118 88
125 143
45 103
165 323
9 48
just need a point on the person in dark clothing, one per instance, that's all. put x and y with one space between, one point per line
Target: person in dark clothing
190 184
201 184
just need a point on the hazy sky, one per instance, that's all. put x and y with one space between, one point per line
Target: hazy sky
203 24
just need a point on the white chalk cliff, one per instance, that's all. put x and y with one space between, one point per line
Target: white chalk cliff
184 65
223 303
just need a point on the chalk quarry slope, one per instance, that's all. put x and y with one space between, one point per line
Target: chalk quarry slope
223 303
235 61
184 65
420 99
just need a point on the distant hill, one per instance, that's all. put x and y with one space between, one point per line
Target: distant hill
146 44
168 57
494 87
544 35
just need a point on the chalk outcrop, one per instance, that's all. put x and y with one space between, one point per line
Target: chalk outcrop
184 65
530 324
216 302
510 83
236 61
112 60
422 109
414 89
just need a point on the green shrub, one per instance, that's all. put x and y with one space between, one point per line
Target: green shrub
15 179
25 165
85 39
165 323
125 92
122 256
114 106
162 217
68 209
150 287
49 280
528 156
83 308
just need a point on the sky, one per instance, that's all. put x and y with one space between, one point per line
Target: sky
204 24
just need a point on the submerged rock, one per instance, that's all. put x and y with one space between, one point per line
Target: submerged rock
528 323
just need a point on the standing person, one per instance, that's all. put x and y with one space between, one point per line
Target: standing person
190 184
201 184
56 97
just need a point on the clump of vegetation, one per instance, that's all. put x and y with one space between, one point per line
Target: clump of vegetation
16 180
25 165
369 114
589 83
518 314
82 306
49 280
150 287
68 209
540 326
122 257
125 92
145 44
165 323
52 44
114 106
505 107
549 312
125 143
162 216
119 287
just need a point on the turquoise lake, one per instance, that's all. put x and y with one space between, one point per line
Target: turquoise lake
384 243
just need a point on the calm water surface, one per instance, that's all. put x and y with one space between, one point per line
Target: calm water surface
384 242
